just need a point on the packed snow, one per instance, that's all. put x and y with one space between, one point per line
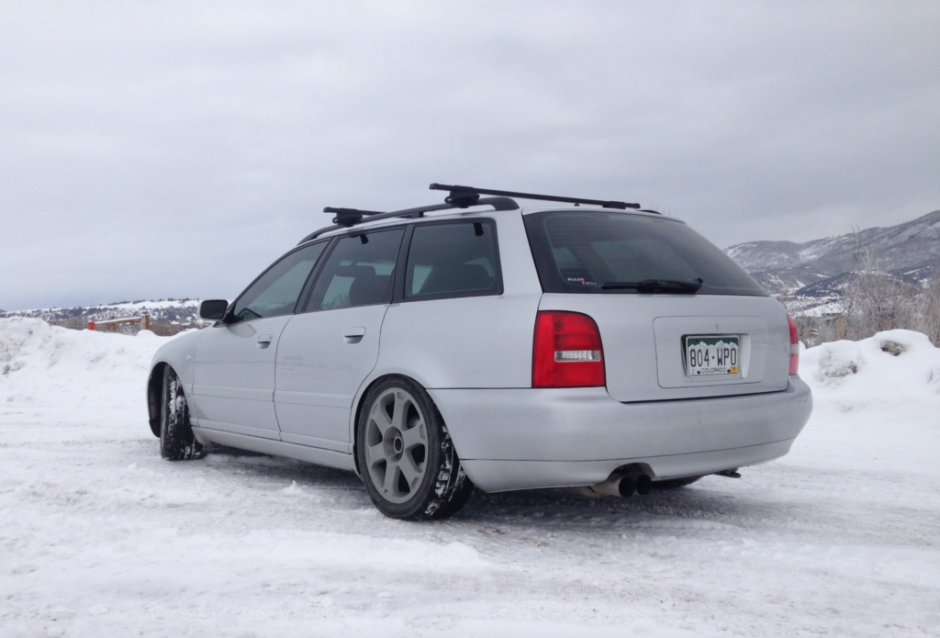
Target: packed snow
100 537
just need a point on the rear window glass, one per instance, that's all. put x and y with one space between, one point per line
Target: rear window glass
580 252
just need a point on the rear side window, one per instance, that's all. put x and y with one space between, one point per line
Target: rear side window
580 252
358 272
452 260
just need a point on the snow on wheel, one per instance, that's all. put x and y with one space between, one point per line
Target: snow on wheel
177 442
406 457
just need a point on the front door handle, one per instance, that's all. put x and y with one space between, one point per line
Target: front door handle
354 335
264 340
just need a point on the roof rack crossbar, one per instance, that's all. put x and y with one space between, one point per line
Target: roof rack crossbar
464 193
349 217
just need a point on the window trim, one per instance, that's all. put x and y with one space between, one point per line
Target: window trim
306 293
495 291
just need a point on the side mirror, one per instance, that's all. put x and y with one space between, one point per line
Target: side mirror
213 309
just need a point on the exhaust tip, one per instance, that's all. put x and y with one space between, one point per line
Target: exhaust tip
643 485
627 486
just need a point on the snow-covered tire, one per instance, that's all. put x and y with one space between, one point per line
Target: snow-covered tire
672 484
406 457
177 442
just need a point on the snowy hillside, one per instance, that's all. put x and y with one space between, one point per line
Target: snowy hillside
183 312
101 537
813 274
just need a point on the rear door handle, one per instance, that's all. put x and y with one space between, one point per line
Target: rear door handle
354 335
264 340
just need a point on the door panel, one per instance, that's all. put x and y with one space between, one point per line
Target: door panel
234 377
320 370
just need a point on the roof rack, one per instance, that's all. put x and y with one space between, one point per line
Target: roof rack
460 197
349 217
464 193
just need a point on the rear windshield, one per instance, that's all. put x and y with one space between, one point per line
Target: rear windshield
580 252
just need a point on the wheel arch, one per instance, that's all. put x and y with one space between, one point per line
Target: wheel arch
360 404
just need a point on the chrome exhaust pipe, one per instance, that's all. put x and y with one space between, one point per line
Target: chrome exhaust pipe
624 486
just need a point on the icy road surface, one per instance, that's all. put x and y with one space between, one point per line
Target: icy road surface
100 537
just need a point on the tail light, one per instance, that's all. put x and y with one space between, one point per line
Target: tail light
794 347
568 351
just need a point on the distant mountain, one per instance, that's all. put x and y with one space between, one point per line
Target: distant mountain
177 312
810 276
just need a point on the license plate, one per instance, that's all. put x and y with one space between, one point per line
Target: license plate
712 355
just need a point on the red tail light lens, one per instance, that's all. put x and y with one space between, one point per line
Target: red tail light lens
794 347
568 351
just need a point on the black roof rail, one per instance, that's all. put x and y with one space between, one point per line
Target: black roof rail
349 217
467 193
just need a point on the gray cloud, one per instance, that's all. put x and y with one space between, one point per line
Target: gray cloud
155 149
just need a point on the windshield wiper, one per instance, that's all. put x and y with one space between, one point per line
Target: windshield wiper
656 285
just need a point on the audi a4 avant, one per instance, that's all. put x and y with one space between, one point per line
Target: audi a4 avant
479 344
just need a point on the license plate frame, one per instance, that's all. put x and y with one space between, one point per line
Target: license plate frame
712 356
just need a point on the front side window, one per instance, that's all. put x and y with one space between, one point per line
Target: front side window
276 292
359 272
596 252
452 260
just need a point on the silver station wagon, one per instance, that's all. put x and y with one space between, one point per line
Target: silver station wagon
477 344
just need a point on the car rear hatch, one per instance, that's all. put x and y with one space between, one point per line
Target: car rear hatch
677 318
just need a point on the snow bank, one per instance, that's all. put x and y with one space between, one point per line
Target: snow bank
896 370
43 365
875 414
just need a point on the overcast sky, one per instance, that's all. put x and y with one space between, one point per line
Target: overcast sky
153 149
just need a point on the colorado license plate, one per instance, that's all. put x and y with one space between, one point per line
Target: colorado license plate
711 355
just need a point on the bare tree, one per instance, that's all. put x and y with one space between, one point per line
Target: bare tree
875 300
927 309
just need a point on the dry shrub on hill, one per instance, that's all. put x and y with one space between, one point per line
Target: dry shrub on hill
876 300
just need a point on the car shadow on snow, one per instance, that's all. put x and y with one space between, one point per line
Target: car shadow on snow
693 507
696 507
279 470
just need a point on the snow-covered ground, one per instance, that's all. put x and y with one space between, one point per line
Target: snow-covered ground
100 537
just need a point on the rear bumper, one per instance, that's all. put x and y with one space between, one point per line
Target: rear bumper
531 438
